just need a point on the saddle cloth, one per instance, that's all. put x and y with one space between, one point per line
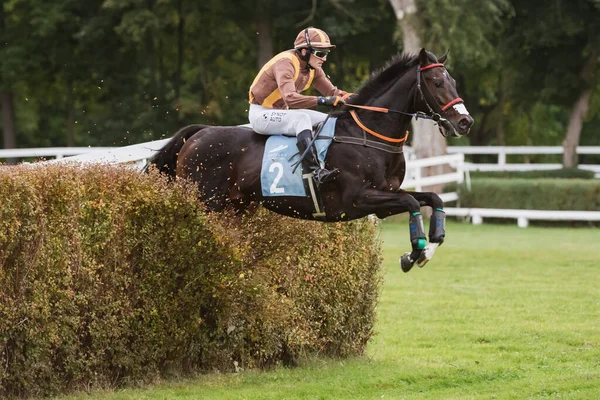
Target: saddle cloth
280 153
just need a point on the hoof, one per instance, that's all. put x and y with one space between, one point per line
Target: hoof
422 261
427 254
406 262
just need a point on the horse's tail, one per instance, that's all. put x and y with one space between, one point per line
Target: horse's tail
165 159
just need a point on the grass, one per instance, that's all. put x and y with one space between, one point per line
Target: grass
499 313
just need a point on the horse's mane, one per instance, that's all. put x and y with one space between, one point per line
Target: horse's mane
379 79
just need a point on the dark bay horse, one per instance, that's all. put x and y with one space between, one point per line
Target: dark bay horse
226 161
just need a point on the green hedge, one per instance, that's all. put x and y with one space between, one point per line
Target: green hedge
533 194
109 277
562 173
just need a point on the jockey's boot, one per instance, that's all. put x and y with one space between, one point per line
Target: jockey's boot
311 161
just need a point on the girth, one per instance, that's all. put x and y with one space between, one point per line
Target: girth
366 143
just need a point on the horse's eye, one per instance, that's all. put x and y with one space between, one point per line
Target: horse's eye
437 83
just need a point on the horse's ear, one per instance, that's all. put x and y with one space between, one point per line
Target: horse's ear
443 58
423 58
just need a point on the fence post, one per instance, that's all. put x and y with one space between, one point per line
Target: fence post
522 222
502 158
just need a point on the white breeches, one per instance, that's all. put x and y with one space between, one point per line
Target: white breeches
269 121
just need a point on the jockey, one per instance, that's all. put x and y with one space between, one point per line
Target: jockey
276 105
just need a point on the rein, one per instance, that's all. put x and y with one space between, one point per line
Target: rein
396 148
372 132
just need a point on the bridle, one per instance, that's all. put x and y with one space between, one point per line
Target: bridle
426 96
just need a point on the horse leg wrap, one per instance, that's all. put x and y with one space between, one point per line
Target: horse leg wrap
437 226
417 231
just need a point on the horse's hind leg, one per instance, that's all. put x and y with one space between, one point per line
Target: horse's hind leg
239 202
437 224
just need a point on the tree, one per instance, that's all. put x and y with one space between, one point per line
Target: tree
558 45
426 139
471 30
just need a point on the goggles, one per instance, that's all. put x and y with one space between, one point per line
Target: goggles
320 53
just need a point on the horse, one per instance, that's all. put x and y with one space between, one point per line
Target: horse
225 161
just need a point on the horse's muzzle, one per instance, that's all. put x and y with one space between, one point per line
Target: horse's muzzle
447 128
462 127
466 123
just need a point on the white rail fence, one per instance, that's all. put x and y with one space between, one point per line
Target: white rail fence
523 217
503 151
138 155
414 178
48 152
500 151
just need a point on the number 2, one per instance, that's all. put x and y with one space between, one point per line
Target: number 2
276 166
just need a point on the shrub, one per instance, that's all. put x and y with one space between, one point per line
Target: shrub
110 277
533 194
562 173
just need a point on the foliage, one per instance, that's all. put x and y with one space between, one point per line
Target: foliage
121 72
500 313
449 27
110 277
532 194
562 173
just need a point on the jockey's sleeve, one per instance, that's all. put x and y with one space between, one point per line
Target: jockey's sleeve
284 74
324 85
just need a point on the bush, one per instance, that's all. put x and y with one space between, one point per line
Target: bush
563 173
533 194
110 277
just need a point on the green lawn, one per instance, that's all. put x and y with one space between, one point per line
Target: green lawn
499 313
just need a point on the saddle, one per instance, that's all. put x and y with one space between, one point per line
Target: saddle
279 177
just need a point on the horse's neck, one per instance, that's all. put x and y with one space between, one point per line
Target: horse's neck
400 96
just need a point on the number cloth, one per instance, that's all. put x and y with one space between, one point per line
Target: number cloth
280 153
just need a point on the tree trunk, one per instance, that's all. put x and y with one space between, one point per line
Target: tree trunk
70 114
578 112
571 141
180 49
6 100
500 136
264 30
2 21
152 63
426 138
151 39
8 122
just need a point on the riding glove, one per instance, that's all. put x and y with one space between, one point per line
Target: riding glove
332 101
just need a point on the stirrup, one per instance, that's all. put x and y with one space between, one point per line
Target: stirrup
321 175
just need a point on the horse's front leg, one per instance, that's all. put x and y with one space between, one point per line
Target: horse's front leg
383 204
437 224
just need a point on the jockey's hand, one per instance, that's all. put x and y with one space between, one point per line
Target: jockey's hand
332 101
346 95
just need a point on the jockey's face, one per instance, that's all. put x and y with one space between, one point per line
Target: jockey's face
317 57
